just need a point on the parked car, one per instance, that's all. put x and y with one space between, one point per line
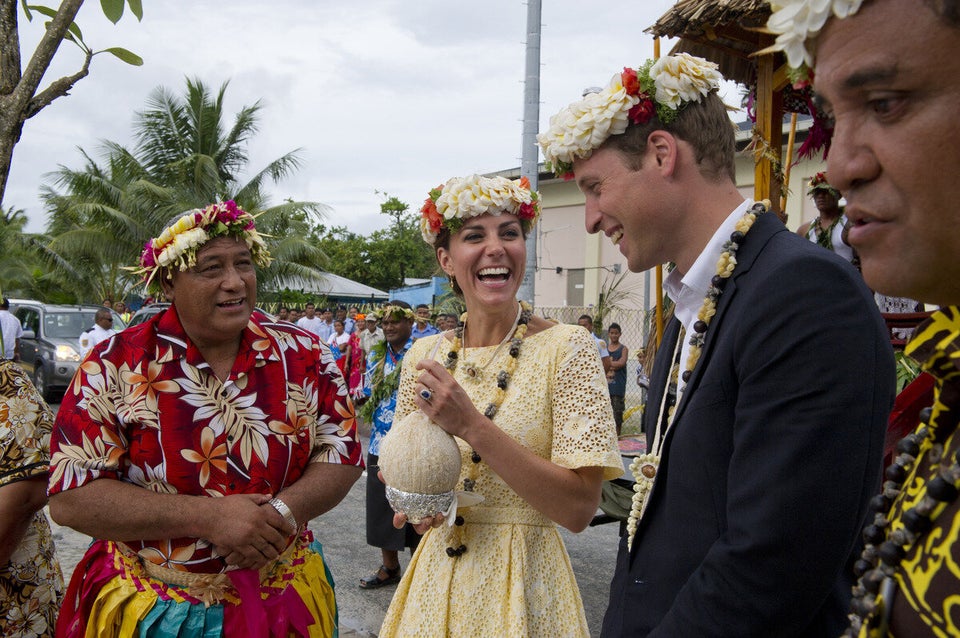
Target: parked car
49 348
147 311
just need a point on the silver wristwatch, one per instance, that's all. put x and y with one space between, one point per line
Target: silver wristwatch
284 510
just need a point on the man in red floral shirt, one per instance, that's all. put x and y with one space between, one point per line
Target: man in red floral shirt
196 447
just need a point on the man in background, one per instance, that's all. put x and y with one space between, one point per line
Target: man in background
101 331
587 322
10 332
423 327
350 322
311 322
381 381
827 228
371 334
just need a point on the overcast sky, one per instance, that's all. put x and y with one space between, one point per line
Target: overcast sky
381 95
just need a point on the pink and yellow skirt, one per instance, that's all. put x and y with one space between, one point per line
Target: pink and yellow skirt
114 593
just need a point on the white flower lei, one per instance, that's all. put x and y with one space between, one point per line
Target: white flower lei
796 21
672 81
645 467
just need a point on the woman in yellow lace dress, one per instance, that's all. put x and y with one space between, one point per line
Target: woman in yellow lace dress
528 403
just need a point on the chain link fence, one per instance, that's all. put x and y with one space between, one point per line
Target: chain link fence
636 333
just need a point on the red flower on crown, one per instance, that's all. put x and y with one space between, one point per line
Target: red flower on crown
630 81
643 111
430 213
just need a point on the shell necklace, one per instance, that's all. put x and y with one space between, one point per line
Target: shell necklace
514 338
473 370
644 467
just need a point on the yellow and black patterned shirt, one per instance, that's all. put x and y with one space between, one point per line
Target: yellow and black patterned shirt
927 599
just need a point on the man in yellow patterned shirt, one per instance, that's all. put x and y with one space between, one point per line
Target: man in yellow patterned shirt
888 75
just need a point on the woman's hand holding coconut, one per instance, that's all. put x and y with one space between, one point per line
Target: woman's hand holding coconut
448 407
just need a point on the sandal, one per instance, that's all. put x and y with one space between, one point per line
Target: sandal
374 580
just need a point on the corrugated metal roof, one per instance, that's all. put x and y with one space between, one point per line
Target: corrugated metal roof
333 286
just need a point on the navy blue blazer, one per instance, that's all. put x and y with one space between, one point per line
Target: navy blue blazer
774 453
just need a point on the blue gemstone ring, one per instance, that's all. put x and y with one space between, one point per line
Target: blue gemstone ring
425 394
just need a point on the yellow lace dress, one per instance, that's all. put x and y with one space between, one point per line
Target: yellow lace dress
515 578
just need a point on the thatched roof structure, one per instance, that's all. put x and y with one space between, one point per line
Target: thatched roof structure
723 31
731 33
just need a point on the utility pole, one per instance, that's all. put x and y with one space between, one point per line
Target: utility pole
529 162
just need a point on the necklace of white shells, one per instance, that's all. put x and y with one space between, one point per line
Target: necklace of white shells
514 337
644 467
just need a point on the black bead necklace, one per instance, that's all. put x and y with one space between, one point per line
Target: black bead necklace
884 548
525 311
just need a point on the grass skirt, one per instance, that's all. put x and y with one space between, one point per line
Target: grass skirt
112 595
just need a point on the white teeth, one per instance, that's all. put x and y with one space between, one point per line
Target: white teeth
616 237
493 271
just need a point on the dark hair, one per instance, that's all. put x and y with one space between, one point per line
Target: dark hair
401 304
615 326
422 305
4 303
704 125
587 317
310 304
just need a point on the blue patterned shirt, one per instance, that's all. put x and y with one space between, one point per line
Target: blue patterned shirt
383 413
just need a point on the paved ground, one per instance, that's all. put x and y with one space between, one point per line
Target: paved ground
341 531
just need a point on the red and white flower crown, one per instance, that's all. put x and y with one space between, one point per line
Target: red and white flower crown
658 89
450 204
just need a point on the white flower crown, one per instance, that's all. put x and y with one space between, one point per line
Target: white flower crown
461 198
659 88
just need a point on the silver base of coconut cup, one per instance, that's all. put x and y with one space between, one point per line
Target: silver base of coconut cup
418 506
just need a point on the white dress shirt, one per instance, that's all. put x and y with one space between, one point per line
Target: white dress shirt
688 290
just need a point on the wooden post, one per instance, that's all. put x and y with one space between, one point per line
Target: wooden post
770 128
789 164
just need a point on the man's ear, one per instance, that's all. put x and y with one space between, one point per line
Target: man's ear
662 148
166 283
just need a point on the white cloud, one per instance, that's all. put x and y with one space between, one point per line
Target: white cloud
380 95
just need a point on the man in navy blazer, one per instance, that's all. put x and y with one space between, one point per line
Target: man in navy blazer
765 420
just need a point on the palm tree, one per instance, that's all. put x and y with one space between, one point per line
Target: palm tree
184 158
14 269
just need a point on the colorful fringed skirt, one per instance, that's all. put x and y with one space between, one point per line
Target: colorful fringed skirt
113 592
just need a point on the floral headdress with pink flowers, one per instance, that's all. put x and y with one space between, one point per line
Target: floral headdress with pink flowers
176 247
658 89
450 204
